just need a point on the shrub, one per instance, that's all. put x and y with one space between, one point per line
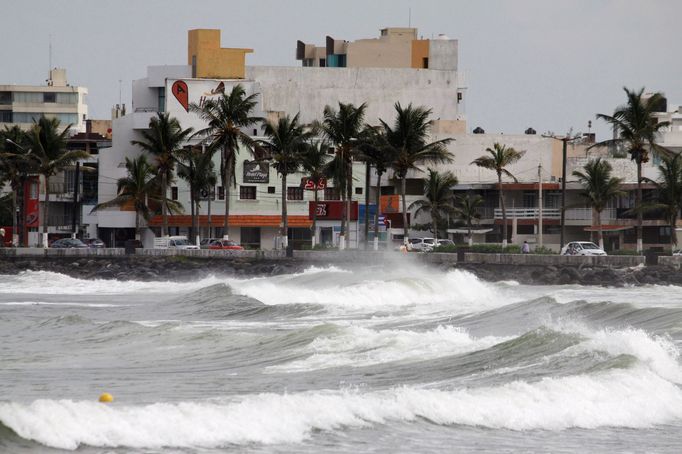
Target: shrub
447 248
624 252
542 250
496 249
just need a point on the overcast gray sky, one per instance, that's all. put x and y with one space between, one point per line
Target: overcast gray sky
542 63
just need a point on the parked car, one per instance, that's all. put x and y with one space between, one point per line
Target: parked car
421 244
677 252
68 243
582 248
94 243
225 245
174 242
206 242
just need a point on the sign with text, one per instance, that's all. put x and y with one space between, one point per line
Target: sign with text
309 185
256 172
332 210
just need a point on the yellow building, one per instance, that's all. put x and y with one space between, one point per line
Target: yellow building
210 61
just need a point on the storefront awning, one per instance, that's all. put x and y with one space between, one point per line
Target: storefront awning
236 220
608 228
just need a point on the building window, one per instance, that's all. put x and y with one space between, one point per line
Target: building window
331 150
331 194
294 193
271 189
250 237
323 62
358 191
247 192
49 97
5 116
174 193
162 99
425 62
5 97
221 193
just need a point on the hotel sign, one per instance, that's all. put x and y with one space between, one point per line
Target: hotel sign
256 172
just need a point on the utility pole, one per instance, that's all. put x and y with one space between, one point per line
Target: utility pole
367 169
540 204
564 139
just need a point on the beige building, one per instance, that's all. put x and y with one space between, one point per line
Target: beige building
395 48
22 104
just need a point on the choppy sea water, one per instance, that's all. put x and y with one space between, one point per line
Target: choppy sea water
335 359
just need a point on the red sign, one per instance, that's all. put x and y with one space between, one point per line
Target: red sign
309 185
179 90
332 210
31 203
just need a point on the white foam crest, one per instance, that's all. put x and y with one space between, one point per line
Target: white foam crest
47 282
658 353
634 398
366 290
357 346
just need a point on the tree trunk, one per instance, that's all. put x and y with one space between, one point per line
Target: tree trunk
344 223
192 229
600 233
315 218
504 211
367 169
14 217
22 213
164 203
470 239
210 194
377 212
673 233
284 233
46 211
137 225
349 197
638 204
226 190
403 187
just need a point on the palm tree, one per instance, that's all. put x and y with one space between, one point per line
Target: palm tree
636 128
287 140
314 162
15 165
599 187
408 138
195 165
376 151
670 191
48 147
138 190
343 128
226 116
164 140
500 157
438 199
466 209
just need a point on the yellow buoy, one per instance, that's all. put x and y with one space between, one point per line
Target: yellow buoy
106 397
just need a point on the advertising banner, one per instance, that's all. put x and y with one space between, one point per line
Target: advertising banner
332 210
256 172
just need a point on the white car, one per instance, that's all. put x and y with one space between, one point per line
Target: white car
421 244
174 242
582 248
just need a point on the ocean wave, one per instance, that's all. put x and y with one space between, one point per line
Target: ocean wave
617 398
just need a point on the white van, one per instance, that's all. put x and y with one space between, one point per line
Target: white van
174 242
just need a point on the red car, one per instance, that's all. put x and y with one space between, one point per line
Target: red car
225 245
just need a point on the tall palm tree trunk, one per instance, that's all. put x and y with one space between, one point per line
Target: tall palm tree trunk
14 215
344 223
164 203
504 211
349 198
138 236
315 218
210 194
192 201
470 239
284 233
600 233
227 177
46 211
21 214
403 186
638 204
377 212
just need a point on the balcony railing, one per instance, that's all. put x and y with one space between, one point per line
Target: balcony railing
529 213
61 221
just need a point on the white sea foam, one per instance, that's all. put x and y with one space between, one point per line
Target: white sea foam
632 398
459 290
357 347
47 282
